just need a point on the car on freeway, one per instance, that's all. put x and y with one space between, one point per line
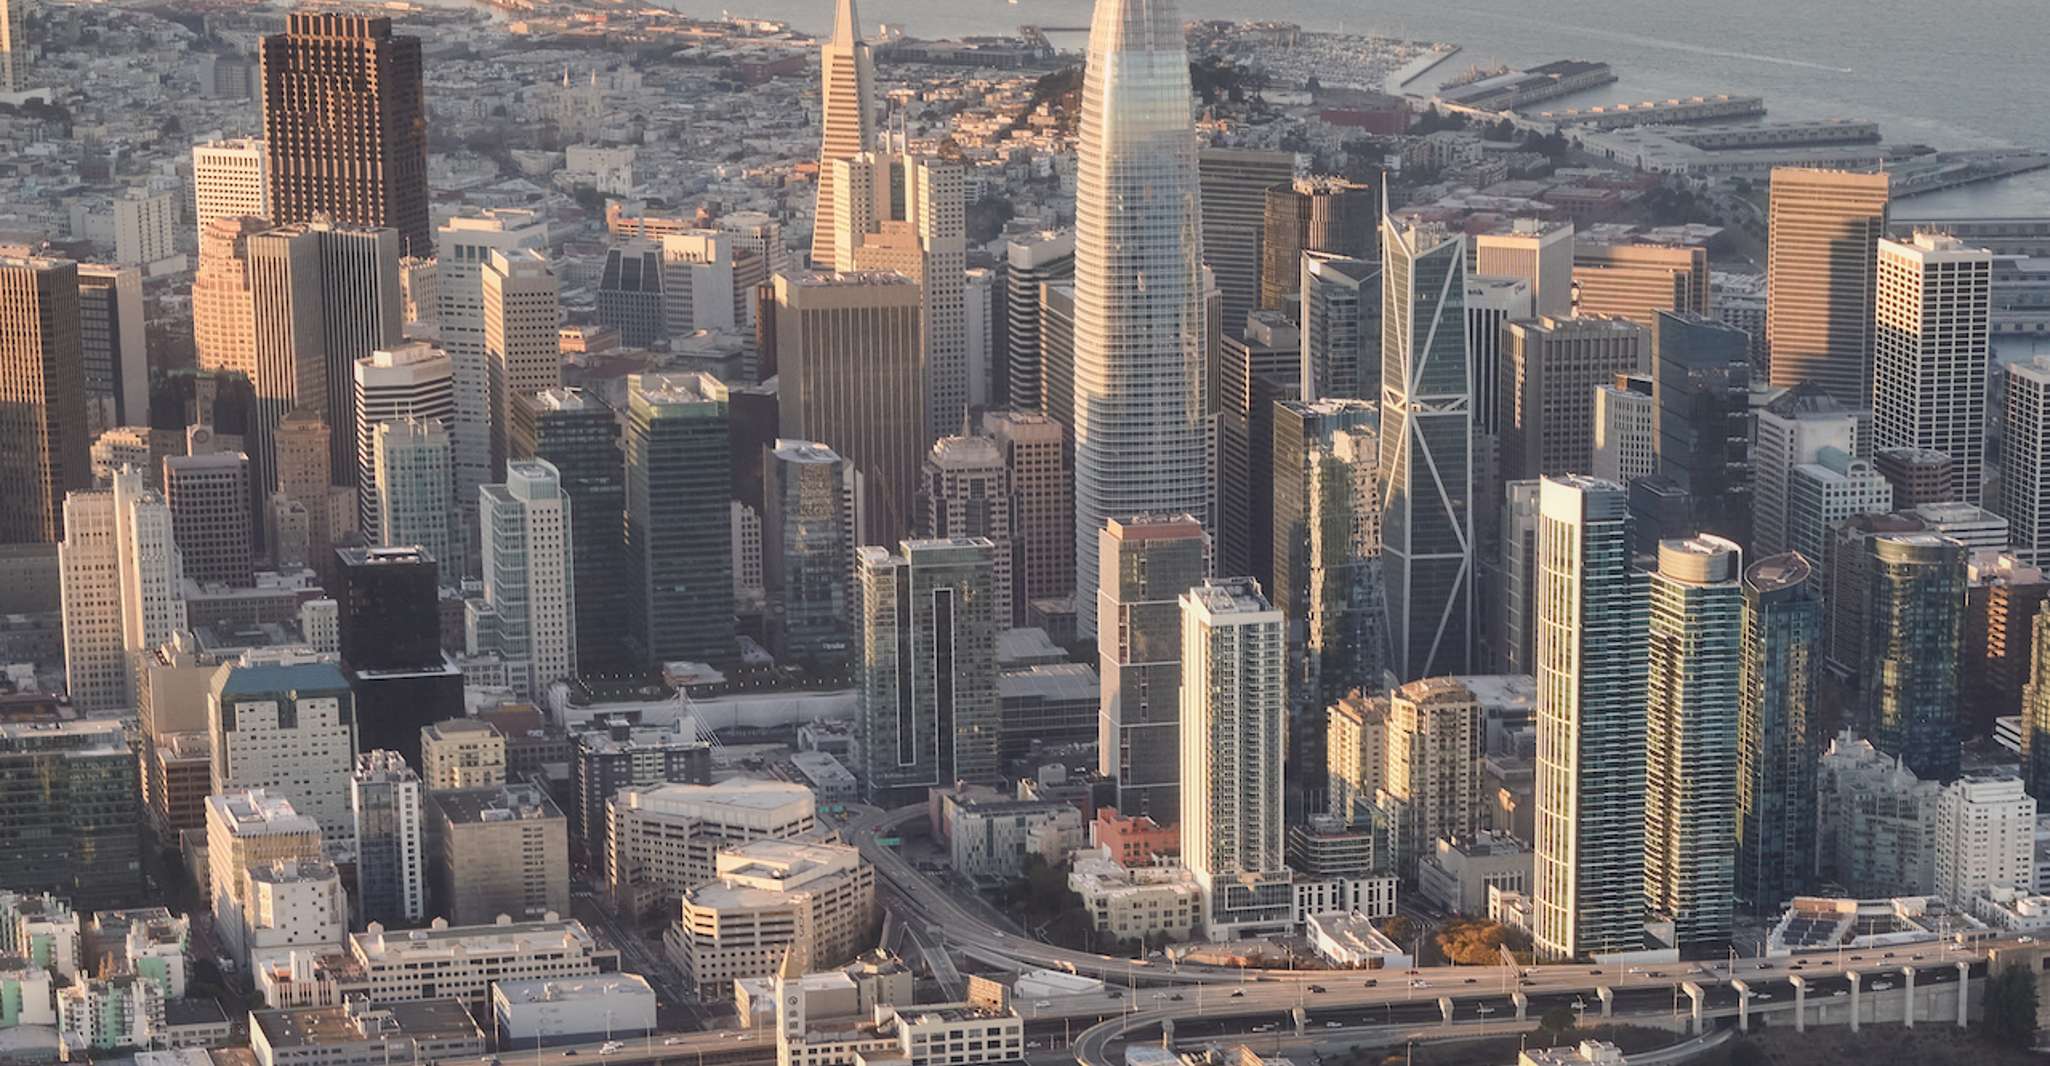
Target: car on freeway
672 1041
1484 1010
1473 980
1177 997
1238 993
1334 1025
1317 989
1373 982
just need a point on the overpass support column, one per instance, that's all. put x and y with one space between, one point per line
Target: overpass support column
1445 1008
1857 991
1695 997
1608 996
1743 1004
1964 981
1800 984
1908 973
1522 1004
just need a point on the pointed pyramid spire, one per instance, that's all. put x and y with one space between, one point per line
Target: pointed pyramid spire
846 24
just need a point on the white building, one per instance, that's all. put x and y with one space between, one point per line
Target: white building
1822 494
528 579
413 479
248 829
293 903
464 961
666 838
522 339
1458 873
1136 902
412 381
119 576
104 1013
1794 429
463 245
1985 838
286 723
145 228
1351 940
230 179
1931 342
391 873
815 903
544 1011
1625 439
698 290
1233 724
1875 822
989 841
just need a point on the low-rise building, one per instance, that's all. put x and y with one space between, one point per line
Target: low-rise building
502 850
1324 846
1373 897
1817 923
1585 1053
575 1010
1136 902
43 930
1456 875
444 960
988 841
1134 841
25 994
360 1035
770 898
1351 940
946 1034
461 753
666 838
830 780
2012 910
103 1013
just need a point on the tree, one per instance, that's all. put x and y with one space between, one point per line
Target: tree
1558 1021
2010 1019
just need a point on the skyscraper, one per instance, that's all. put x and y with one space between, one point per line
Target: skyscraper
1029 260
230 179
345 124
1536 251
1625 440
1792 430
467 243
362 311
926 681
113 346
1233 743
1330 216
967 492
412 381
1516 579
1931 342
1636 281
1426 451
529 581
1824 229
1436 738
522 346
44 452
679 549
1776 743
810 519
1821 494
1255 370
391 873
1324 485
1148 562
69 822
1142 432
302 439
1549 371
2036 713
2025 460
14 45
390 643
847 117
287 724
1588 880
119 574
579 436
1340 301
1701 377
413 477
1691 703
1234 184
1042 506
211 515
1914 613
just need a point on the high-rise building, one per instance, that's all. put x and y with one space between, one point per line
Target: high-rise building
1340 312
412 381
1233 746
968 494
529 574
1141 425
287 725
461 753
1325 509
211 516
304 481
1985 838
1701 377
1431 787
1234 184
1875 823
1148 562
1056 334
1776 741
2036 712
1588 884
14 46
1426 452
502 850
2000 613
847 117
1692 692
926 681
1515 579
1634 280
1549 371
630 297
678 539
69 817
1492 303
1255 370
578 435
245 829
809 526
1356 757
1821 494
44 451
230 179
345 124
849 364
1042 506
1536 251
1914 613
1822 242
391 877
1029 261
1792 430
1331 216
113 346
1625 429
1919 476
1931 342
390 643
412 477
2025 459
1847 575
119 577
362 311
466 244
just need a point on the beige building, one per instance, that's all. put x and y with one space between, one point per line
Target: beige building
462 962
664 839
1637 281
461 753
815 903
502 850
1822 244
245 829
1355 747
1042 507
1134 903
1536 251
1549 372
1437 733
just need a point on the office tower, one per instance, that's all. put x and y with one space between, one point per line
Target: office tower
1588 881
2000 612
579 436
1331 216
809 525
44 451
419 295
2036 711
698 283
287 725
389 638
968 494
1549 371
678 540
630 293
1057 353
1255 370
362 311
119 576
230 179
412 381
1701 376
345 125
1042 507
1914 615
498 851
529 574
1234 728
1822 494
846 116
1356 758
69 822
1340 299
1492 303
113 346
302 441
1985 837
1536 251
1930 350
1792 430
1148 562
14 46
1515 579
211 518
413 478
1847 575
926 681
384 803
849 363
1233 192
1326 535
467 243
1636 281
1029 261
2025 459
1426 452
1776 741
1436 735
522 346
1692 692
1919 476
1625 433
145 225
248 828
1823 230
223 315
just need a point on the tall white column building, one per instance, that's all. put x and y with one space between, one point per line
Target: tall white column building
413 381
1234 744
463 245
1931 341
522 337
528 579
119 574
2025 460
1793 430
230 179
1588 876
413 476
1142 429
391 871
1985 837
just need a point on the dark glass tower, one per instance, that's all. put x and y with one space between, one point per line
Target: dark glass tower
1776 746
391 647
1701 392
580 435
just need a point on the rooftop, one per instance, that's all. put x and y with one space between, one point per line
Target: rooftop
498 803
567 989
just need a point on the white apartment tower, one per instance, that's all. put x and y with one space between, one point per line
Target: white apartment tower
287 724
2025 460
1985 838
413 381
528 577
1588 876
413 477
463 246
1792 430
230 179
522 336
120 572
1931 341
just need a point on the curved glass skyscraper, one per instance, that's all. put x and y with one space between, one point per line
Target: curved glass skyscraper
1141 433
